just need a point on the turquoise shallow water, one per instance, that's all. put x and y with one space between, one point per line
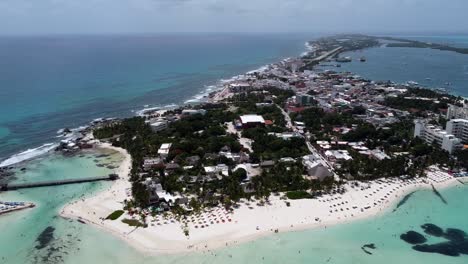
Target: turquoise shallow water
342 243
20 230
78 243
74 242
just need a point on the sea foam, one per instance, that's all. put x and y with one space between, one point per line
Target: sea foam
28 154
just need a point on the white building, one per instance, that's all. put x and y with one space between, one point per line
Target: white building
149 163
159 125
251 120
458 128
164 149
285 135
338 155
315 168
239 87
457 112
432 134
379 154
215 170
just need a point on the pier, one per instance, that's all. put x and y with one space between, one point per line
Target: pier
10 187
322 57
8 207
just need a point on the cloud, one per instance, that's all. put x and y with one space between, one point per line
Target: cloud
101 16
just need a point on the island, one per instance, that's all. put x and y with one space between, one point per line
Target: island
284 148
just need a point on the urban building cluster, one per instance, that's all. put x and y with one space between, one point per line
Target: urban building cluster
455 135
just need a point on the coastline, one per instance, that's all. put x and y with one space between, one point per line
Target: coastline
249 222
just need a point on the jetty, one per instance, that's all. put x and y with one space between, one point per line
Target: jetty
7 207
326 55
10 187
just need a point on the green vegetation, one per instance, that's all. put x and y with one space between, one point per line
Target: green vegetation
462 158
283 177
133 222
296 195
204 136
409 102
407 43
268 147
115 215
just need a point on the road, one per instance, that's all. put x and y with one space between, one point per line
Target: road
312 149
289 123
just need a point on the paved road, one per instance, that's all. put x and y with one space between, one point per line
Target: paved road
289 123
312 149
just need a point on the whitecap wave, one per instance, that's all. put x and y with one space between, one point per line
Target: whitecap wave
28 154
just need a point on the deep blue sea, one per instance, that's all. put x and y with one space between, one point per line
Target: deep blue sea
51 82
48 83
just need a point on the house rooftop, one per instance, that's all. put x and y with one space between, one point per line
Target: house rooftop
252 119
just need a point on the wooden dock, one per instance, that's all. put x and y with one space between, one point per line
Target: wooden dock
10 187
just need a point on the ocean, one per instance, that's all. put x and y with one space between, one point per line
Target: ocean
52 82
67 81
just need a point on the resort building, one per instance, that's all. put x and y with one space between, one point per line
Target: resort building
248 121
150 163
159 125
432 134
458 128
457 112
315 168
164 150
338 155
216 170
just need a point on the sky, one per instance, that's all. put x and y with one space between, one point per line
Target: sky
25 17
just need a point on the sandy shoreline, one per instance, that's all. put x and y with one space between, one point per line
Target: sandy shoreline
249 222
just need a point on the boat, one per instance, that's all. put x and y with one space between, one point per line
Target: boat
344 59
362 59
413 83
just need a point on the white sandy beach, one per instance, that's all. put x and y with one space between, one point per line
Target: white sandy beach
218 228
